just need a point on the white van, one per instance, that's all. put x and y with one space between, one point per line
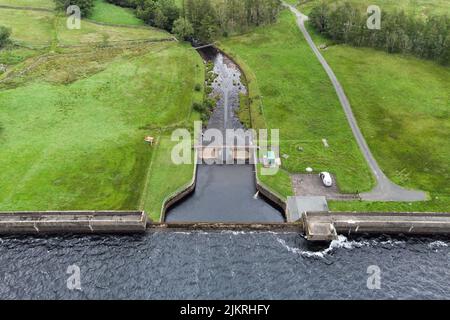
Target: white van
326 179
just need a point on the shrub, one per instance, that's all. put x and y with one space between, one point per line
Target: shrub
204 108
204 117
209 104
4 36
198 107
183 29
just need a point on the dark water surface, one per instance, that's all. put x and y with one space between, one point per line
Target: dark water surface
226 264
225 193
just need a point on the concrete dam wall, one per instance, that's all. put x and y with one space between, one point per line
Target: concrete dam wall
58 222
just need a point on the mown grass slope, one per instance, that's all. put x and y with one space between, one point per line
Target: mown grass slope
29 27
80 145
164 178
109 13
91 32
73 119
46 4
40 28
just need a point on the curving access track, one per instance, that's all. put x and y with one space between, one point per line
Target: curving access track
385 190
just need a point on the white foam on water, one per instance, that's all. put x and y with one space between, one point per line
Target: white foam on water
281 232
202 232
341 242
239 232
236 232
389 242
437 244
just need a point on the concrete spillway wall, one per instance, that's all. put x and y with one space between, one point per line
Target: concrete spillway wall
42 222
320 226
183 192
265 190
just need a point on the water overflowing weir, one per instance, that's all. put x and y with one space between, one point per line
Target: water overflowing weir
225 192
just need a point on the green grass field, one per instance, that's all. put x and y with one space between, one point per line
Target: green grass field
80 145
109 13
30 27
164 178
91 32
419 7
46 4
72 126
402 105
37 28
297 98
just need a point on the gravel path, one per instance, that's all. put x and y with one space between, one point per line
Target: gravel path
385 190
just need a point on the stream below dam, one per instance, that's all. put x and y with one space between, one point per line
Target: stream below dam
225 192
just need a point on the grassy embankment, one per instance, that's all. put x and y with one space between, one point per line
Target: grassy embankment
293 93
402 106
72 127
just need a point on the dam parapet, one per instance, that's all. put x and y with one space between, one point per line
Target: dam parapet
60 222
324 226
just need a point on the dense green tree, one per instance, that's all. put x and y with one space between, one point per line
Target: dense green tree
211 18
5 33
183 29
206 18
319 16
124 3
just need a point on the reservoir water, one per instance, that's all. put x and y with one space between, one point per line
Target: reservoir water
222 264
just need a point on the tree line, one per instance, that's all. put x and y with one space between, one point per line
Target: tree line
199 20
157 13
212 18
4 36
400 32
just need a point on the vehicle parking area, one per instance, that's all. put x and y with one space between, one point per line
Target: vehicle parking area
311 185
